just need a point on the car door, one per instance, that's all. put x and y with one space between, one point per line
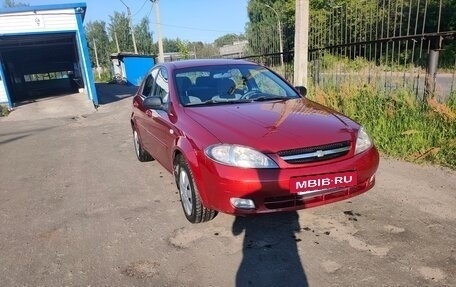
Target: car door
158 122
140 112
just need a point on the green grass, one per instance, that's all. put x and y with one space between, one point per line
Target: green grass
4 111
401 126
104 77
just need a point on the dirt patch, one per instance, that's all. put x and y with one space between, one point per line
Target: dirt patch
142 269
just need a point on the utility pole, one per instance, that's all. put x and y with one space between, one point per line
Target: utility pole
117 42
131 27
96 58
279 29
301 46
161 56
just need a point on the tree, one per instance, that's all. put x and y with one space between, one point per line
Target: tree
183 49
204 50
96 35
262 29
170 45
228 39
144 40
119 28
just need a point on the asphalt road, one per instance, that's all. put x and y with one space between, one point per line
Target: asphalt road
78 209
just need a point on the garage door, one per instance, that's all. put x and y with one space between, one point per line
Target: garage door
33 72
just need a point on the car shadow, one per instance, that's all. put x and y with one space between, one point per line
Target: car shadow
270 251
111 93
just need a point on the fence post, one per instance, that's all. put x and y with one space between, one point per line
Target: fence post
317 65
431 71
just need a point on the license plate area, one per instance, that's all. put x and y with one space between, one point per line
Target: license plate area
320 182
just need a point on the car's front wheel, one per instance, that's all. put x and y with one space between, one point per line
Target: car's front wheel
194 210
141 154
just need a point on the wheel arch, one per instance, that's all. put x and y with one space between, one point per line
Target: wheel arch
185 149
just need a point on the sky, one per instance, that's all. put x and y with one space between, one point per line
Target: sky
192 20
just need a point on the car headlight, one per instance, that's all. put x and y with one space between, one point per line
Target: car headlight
239 156
363 141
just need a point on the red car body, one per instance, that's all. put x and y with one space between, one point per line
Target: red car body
275 128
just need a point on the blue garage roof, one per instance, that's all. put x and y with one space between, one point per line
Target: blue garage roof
82 5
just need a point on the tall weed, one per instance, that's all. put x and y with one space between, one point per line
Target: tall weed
400 125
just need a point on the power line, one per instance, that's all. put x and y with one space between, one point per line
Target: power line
150 11
140 9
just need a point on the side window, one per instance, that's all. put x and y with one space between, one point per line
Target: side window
161 88
147 89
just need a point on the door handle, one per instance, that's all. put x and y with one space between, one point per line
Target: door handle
149 113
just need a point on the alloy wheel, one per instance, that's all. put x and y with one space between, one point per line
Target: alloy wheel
136 142
185 190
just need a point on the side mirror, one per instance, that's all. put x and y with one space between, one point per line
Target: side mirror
153 103
302 90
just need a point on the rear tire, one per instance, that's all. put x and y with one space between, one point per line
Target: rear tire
141 154
194 210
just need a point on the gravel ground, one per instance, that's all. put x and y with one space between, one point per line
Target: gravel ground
78 209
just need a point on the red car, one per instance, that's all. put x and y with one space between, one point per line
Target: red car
239 139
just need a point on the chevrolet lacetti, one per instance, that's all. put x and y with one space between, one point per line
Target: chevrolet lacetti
241 140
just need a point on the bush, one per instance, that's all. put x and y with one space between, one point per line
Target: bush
105 77
4 111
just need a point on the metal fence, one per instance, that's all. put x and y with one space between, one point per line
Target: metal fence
393 44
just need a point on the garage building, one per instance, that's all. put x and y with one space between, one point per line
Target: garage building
43 52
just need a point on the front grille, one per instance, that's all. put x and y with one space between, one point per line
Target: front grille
316 153
308 200
282 202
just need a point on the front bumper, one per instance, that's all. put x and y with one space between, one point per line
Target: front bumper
269 188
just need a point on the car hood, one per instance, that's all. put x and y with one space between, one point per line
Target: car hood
275 125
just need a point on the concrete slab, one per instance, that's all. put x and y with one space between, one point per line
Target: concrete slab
71 105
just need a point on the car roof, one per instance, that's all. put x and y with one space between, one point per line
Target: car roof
205 62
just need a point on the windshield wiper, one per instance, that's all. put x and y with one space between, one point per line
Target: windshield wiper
218 102
239 101
269 98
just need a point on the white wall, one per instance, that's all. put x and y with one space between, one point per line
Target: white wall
3 98
41 21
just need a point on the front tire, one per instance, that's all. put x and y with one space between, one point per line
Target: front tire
194 210
141 154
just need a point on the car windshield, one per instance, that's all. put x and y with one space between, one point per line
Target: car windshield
229 84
